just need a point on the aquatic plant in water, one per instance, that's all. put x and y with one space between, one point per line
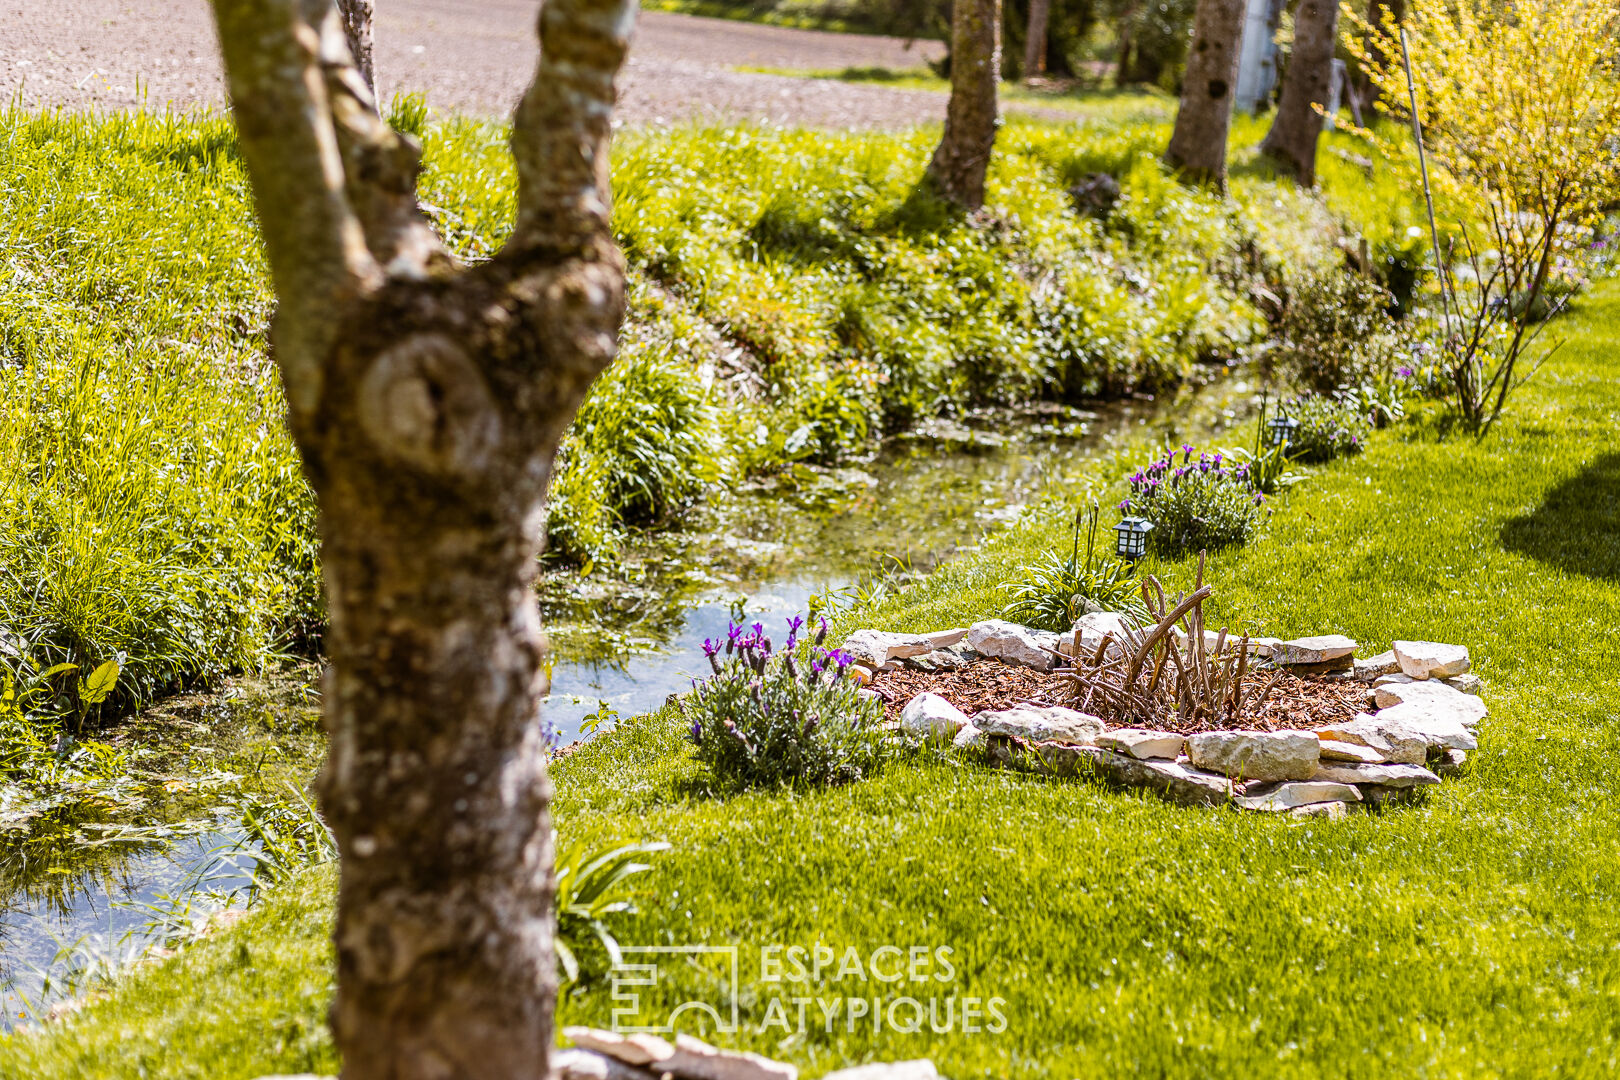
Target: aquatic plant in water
791 717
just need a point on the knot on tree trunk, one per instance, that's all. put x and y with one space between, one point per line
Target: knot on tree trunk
424 404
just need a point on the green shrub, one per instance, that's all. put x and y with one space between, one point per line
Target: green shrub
1194 506
1052 592
1328 427
788 718
1336 333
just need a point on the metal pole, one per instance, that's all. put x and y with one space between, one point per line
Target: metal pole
1428 196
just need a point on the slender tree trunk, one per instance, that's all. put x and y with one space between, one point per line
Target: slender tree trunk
356 15
1291 142
1040 14
1198 143
428 400
958 166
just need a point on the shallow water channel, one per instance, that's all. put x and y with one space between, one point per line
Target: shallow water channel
623 646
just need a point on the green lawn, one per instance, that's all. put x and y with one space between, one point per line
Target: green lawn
1473 935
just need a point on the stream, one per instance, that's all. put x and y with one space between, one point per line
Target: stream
623 646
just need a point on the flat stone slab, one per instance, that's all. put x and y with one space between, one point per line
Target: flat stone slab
1431 659
1321 649
1467 683
1443 701
687 1059
1172 780
944 639
1256 755
1332 811
1288 796
1393 742
1143 743
1374 666
1439 728
1090 630
1042 723
1014 643
878 647
929 716
1342 772
1355 753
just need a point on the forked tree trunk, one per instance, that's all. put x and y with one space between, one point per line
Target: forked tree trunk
1291 142
1040 15
357 15
427 400
958 166
1198 143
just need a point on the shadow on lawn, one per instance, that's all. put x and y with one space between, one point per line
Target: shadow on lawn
1577 526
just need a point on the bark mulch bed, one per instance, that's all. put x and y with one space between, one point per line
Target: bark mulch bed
988 685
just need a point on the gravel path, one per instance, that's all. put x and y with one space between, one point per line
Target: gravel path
471 56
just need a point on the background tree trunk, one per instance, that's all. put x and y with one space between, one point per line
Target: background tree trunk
960 161
428 400
1291 142
356 15
1040 13
1198 143
1365 89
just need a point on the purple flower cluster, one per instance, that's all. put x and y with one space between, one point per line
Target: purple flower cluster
1167 472
752 648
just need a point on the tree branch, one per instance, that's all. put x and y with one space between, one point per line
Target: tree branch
317 251
562 127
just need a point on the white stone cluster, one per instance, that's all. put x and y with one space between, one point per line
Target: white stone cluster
605 1055
1423 710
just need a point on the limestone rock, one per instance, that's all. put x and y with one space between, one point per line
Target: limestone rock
1340 772
1451 763
1256 755
1014 643
1171 780
1467 683
1143 743
1392 742
1091 629
639 1049
1435 697
1394 678
930 716
944 639
1212 638
1439 727
1333 811
898 1070
1265 647
1332 750
1374 666
695 1059
1431 659
576 1064
876 648
1042 723
1296 793
970 738
1322 649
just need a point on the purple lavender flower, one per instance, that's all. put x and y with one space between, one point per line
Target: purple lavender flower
697 732
1124 507
1404 372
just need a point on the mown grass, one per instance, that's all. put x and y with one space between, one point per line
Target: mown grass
1472 935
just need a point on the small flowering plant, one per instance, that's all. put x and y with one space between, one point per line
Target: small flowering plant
788 717
1329 426
1195 505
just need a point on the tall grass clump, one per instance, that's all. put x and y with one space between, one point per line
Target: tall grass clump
154 504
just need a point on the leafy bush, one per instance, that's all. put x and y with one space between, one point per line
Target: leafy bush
1336 333
793 717
1053 592
1195 506
1328 427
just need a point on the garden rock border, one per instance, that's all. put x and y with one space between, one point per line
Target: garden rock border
1423 713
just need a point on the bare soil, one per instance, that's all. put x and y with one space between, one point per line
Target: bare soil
472 57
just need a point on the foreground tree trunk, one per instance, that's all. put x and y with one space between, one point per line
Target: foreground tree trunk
427 400
1291 142
356 15
959 163
1040 16
1198 143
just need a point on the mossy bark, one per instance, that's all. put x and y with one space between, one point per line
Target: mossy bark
1291 142
1198 143
959 164
428 400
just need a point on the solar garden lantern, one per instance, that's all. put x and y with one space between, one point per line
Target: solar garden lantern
1280 430
1131 543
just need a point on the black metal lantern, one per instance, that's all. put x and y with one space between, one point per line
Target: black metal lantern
1132 540
1280 430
